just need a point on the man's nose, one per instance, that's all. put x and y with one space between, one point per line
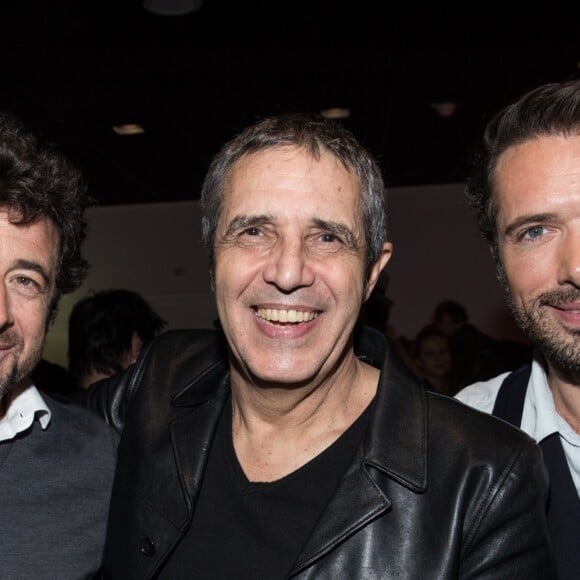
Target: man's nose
5 316
569 258
289 266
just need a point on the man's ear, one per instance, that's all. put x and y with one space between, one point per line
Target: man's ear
378 267
134 350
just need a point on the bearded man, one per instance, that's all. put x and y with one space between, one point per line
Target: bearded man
526 193
57 460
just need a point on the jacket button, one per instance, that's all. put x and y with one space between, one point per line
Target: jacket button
147 547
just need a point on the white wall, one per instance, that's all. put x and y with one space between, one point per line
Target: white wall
156 250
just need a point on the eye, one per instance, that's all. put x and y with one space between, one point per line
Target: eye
251 232
533 233
27 286
329 238
255 237
25 281
326 242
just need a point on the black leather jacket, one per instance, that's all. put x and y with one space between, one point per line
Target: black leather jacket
437 490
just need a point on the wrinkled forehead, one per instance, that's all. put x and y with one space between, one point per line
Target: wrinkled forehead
286 179
307 154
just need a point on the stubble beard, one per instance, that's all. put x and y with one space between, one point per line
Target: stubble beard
18 367
560 346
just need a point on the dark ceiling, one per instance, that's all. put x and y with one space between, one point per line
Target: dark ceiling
71 69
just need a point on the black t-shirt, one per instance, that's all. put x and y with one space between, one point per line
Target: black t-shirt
245 530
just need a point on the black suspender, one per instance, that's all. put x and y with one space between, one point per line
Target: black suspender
509 404
564 503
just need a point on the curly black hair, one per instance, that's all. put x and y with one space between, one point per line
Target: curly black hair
37 181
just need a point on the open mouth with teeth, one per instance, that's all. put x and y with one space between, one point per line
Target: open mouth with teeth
292 316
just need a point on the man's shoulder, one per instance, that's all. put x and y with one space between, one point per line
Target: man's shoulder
474 437
176 359
466 413
174 351
174 356
80 422
482 395
195 341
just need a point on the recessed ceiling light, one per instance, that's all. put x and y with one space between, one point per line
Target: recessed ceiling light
336 113
444 109
128 129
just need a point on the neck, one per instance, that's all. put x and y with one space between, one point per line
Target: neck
11 392
287 404
566 396
276 431
87 379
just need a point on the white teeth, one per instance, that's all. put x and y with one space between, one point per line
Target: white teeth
274 315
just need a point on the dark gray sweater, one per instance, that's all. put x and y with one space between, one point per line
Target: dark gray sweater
54 496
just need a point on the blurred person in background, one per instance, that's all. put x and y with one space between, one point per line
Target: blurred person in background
106 332
476 355
432 356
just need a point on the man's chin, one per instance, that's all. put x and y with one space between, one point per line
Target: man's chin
8 382
13 376
559 346
563 356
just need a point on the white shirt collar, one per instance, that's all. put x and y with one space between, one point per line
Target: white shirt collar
540 418
24 405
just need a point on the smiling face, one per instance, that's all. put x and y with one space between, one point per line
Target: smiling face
28 262
290 265
538 197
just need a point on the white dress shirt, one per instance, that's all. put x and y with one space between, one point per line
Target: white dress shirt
539 418
24 405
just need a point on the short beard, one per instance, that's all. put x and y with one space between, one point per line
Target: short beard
561 353
20 368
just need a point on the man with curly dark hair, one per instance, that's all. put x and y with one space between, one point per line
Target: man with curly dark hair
57 459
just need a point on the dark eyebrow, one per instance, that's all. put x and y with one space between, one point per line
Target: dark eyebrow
339 230
34 266
245 221
528 219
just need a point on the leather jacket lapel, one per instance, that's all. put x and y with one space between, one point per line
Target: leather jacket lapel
395 443
192 435
356 501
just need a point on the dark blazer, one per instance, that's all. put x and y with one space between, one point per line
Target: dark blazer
437 490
